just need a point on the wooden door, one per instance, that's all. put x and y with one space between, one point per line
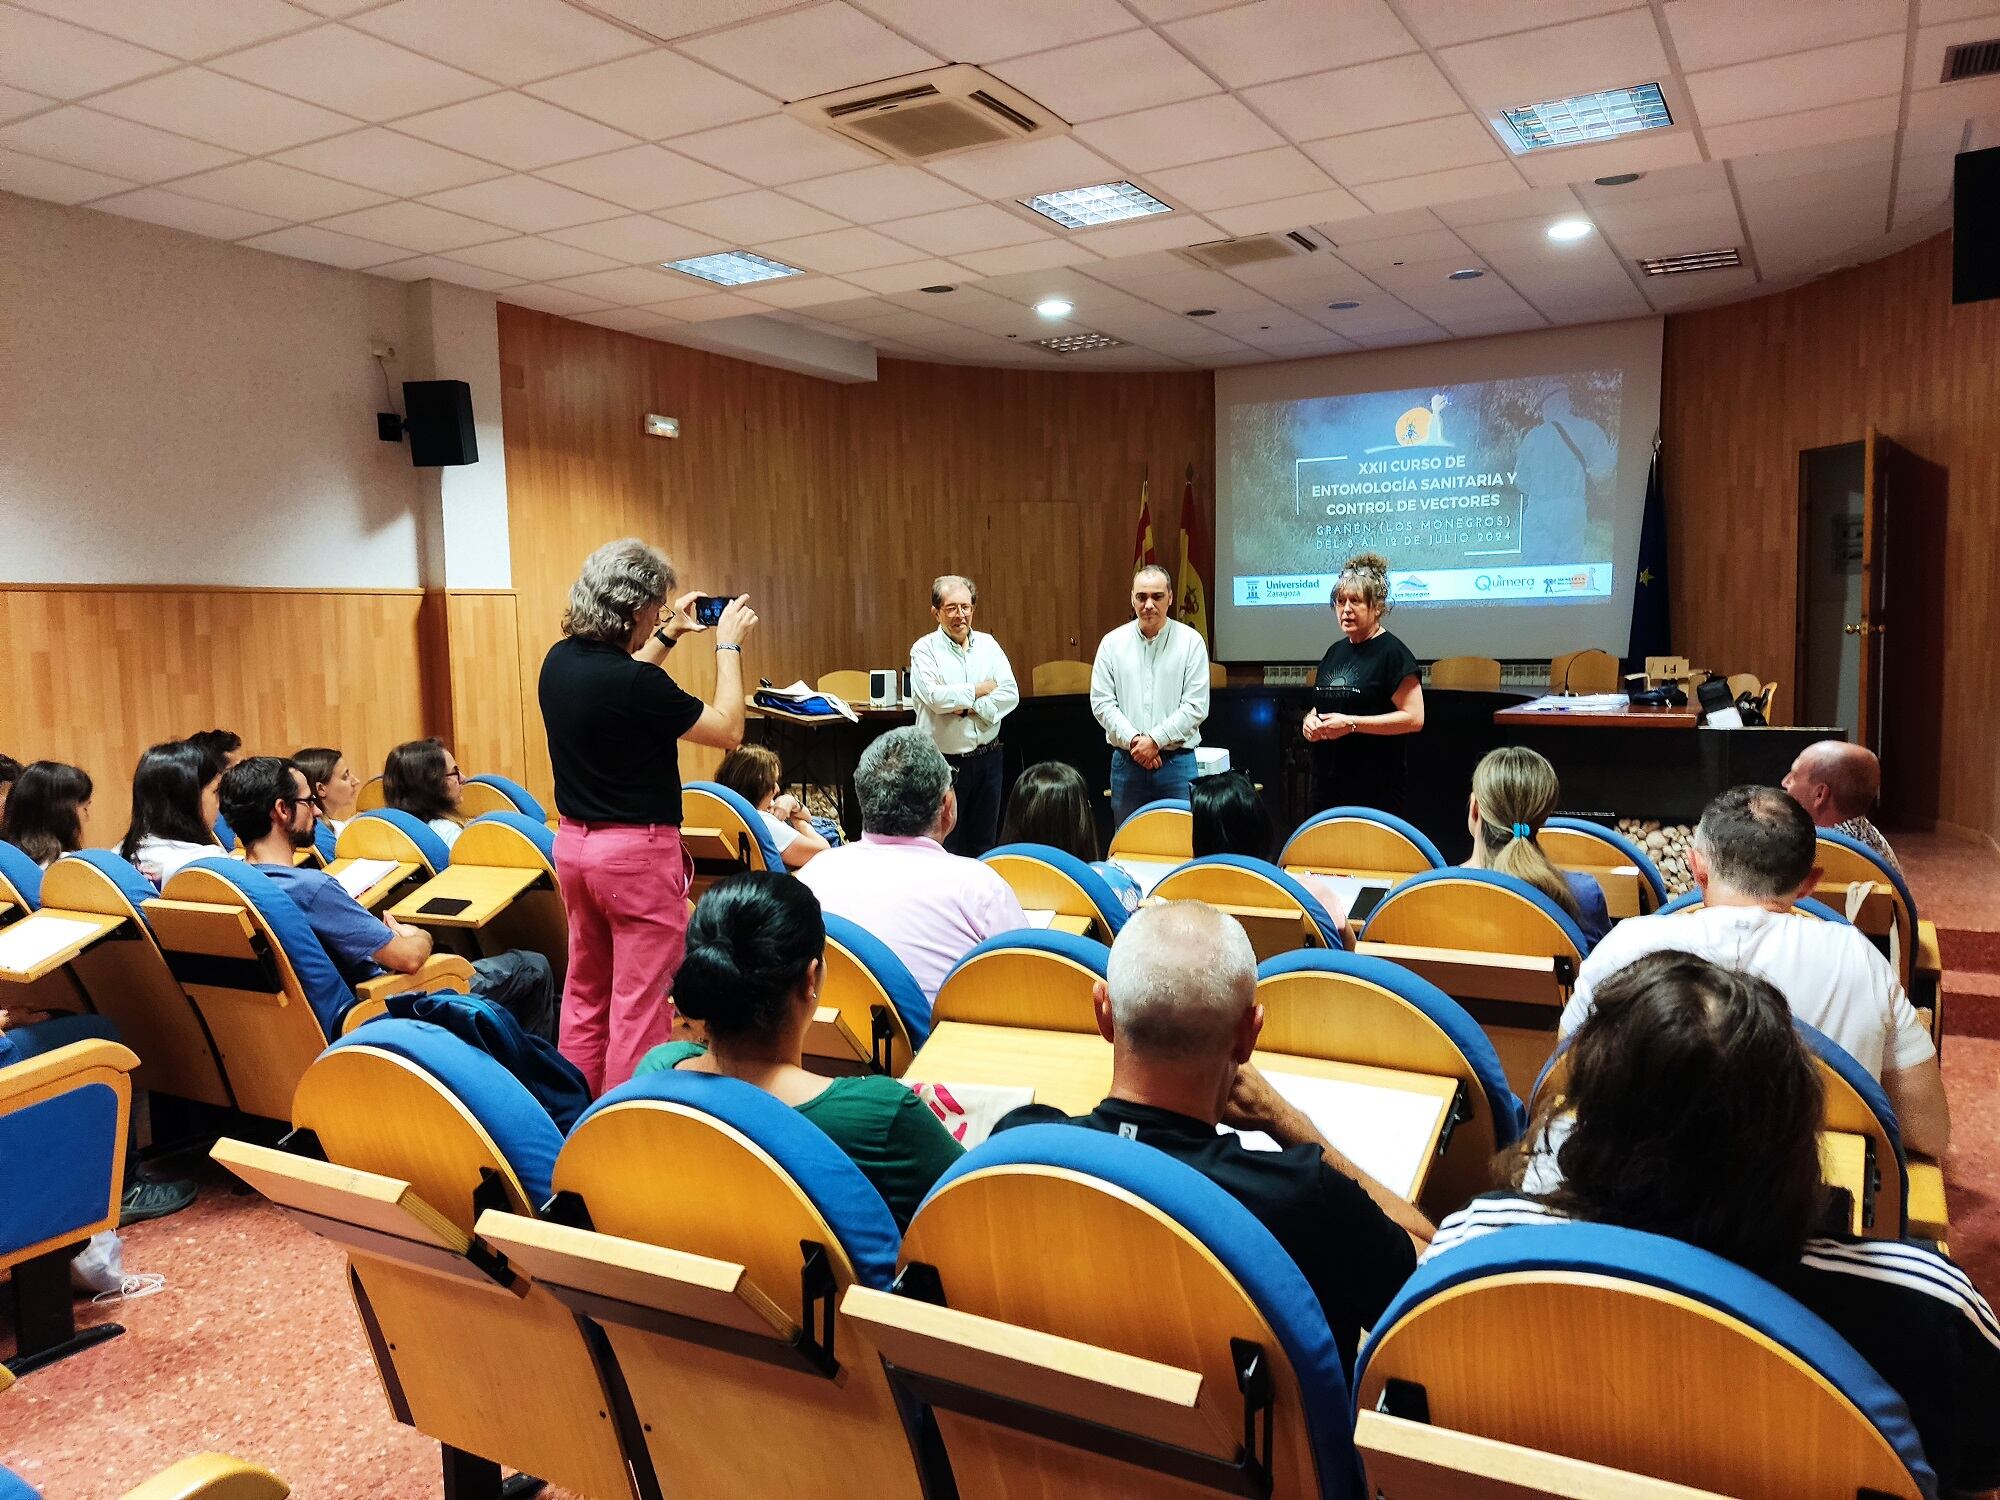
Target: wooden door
1905 639
1870 626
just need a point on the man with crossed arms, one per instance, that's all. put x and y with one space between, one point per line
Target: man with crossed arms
963 687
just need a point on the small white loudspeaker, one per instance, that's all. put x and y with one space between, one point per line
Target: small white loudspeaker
882 687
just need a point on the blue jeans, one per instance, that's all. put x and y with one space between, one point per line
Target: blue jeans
1133 786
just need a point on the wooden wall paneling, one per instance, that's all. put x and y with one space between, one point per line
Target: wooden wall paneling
834 506
484 656
96 674
1748 385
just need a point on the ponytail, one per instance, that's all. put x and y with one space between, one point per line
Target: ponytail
1516 790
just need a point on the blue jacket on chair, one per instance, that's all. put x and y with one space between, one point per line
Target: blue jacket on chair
543 1071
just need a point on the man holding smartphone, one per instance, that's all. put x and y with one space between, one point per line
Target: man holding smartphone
963 687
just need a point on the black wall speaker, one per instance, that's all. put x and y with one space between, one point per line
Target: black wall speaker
439 422
1975 237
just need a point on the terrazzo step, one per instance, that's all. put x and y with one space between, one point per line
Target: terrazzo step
1967 950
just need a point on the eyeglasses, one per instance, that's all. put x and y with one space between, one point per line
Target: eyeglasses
454 776
303 799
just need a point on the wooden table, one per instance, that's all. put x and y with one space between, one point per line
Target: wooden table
487 891
1072 1071
1633 716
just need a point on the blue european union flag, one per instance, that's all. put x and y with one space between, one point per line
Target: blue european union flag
1652 626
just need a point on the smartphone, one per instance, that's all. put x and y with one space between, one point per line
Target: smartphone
443 906
708 609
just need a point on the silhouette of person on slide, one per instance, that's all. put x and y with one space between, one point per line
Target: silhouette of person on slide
1558 464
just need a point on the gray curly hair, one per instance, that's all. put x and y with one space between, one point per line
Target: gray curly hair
618 580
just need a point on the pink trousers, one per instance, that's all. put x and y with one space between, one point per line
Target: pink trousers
625 888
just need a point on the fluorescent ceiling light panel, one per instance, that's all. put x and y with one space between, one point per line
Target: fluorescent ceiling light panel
1602 116
732 268
1087 207
1078 343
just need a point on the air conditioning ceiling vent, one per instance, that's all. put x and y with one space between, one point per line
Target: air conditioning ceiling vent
925 116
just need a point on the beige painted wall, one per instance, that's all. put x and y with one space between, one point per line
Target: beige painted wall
174 409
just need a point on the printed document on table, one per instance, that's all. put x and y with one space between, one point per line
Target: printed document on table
1386 1132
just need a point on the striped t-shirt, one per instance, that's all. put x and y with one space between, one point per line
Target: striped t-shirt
1909 1312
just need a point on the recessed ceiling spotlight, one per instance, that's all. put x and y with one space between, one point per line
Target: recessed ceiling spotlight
1471 273
1346 304
732 268
1201 312
1055 307
1601 116
1104 203
936 290
1569 229
1618 179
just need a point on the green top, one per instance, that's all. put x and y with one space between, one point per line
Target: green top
884 1128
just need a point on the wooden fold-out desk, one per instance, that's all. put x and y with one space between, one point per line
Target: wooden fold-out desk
43 941
382 889
1072 1071
486 890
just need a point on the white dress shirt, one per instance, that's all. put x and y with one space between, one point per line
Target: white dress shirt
943 675
1157 688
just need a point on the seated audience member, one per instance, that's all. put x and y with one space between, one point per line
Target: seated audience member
223 747
333 782
175 802
1514 790
422 779
1837 783
752 974
30 1033
752 772
1694 1112
1050 804
48 812
10 771
1180 1011
1230 818
1753 857
268 801
931 907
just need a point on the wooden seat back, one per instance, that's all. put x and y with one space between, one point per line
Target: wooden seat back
850 683
729 1414
1052 1251
1590 671
1349 1018
1054 677
1630 1376
370 795
232 966
1272 916
127 979
1344 839
536 919
1156 833
1841 866
1008 985
1477 673
853 991
491 1365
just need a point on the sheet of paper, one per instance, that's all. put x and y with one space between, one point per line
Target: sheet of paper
1037 917
1580 703
971 1110
34 938
1148 872
1383 1131
362 874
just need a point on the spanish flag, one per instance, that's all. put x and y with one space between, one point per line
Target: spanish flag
1191 598
1143 551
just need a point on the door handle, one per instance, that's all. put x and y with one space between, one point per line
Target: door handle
1862 628
1851 629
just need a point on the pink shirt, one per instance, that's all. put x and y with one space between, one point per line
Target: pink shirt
929 906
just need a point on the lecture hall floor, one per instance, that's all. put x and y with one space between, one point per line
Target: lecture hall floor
253 1347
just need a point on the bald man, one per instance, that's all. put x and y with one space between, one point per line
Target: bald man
1180 1010
1836 783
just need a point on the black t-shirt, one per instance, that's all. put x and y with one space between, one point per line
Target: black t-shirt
1365 770
1354 1256
614 728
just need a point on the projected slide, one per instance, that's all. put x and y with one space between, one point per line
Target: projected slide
1487 491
